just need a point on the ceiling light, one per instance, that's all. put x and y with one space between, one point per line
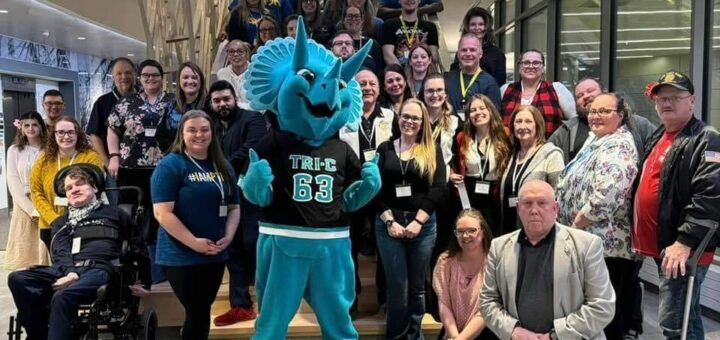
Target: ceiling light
81 38
46 33
3 11
130 55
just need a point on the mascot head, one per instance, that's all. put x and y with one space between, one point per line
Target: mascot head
313 93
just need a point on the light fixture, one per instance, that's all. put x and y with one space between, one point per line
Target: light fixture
3 11
46 33
130 55
81 38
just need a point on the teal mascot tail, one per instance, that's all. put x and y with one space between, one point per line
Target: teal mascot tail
306 180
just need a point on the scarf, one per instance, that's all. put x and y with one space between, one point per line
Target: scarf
76 215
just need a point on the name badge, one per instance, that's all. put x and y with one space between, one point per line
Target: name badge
61 201
150 132
403 191
76 245
512 202
482 187
223 210
461 114
369 154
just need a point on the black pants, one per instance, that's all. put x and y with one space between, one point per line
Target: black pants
623 277
242 254
46 237
196 287
362 230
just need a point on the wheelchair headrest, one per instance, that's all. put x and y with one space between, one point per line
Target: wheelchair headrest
97 175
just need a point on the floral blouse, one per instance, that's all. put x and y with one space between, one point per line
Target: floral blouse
598 183
145 129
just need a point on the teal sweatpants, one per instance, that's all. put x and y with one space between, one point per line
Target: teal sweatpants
295 263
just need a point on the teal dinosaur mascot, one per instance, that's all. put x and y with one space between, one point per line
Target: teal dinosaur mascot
306 180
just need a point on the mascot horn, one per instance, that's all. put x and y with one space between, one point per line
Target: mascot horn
306 180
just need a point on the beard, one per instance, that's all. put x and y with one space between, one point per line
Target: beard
226 115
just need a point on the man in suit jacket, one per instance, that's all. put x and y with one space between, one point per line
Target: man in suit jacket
546 281
238 131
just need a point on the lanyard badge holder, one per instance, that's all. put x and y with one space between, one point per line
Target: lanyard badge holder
223 210
402 190
482 186
464 91
369 153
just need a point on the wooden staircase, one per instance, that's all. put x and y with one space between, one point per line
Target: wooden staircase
304 325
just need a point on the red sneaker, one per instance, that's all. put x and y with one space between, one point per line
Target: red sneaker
235 315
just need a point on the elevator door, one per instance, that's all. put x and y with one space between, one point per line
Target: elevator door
15 103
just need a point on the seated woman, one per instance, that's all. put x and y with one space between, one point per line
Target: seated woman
458 278
85 241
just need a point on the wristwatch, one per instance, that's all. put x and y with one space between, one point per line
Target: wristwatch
389 223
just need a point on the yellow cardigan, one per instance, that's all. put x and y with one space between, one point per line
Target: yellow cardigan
42 191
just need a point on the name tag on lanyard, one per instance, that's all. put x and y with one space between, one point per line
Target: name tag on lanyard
482 187
223 209
369 154
403 191
150 132
77 241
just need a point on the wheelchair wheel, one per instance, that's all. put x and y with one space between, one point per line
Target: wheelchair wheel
149 325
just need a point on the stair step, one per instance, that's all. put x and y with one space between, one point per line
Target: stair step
306 325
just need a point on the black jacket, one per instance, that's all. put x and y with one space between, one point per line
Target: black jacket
689 185
102 235
243 133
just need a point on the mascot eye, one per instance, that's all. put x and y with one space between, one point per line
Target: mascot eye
342 84
307 74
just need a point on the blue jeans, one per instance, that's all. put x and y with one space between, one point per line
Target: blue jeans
407 264
672 304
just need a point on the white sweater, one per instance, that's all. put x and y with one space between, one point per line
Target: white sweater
18 168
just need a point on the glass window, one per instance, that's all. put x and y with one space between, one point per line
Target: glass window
652 37
509 11
508 46
579 41
714 116
535 32
529 3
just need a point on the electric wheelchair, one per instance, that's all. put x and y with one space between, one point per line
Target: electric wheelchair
115 311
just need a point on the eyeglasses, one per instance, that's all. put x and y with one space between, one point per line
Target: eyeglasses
338 43
63 133
267 30
430 92
469 232
353 16
410 118
238 52
601 111
671 100
150 75
50 104
528 63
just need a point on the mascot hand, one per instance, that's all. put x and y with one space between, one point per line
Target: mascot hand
257 180
362 191
370 174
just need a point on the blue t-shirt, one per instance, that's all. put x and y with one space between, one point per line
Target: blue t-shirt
197 204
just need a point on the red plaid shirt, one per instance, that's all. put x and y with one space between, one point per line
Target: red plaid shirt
546 100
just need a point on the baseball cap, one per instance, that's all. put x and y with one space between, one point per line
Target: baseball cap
675 79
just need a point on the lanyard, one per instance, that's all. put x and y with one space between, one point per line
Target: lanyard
153 107
403 167
218 184
464 90
522 90
409 37
72 160
516 174
372 133
484 159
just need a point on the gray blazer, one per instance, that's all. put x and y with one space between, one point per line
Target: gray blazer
583 298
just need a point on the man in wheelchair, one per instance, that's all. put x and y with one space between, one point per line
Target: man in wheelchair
86 246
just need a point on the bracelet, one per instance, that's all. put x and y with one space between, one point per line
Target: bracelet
418 221
110 156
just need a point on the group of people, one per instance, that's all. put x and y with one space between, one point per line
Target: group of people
490 194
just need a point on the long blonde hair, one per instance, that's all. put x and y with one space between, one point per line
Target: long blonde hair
424 151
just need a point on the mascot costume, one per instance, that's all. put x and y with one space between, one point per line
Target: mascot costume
306 180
